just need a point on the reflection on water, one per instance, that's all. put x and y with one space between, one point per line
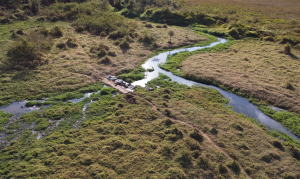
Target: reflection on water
239 104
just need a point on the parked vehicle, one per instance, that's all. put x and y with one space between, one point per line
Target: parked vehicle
113 78
119 82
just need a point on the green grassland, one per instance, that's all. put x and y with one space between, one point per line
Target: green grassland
125 137
59 50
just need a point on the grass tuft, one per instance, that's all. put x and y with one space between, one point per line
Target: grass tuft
56 31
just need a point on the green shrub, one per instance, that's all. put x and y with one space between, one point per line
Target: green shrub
111 53
295 152
167 112
192 144
234 166
103 34
197 136
94 49
43 30
268 38
101 53
115 35
20 32
149 25
278 145
168 122
28 52
289 85
34 6
124 44
103 46
4 21
166 151
184 159
129 39
54 19
117 42
222 169
175 173
147 38
251 34
287 49
105 60
61 45
79 29
269 157
234 33
203 163
56 31
71 42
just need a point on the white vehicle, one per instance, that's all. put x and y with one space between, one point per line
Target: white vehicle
113 78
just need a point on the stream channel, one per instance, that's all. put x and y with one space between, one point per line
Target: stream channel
239 104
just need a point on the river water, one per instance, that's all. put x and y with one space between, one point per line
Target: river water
239 104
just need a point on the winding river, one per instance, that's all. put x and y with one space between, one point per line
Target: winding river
239 104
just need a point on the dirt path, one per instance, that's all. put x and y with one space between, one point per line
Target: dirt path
203 134
124 91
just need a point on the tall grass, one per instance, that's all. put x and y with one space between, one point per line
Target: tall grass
28 52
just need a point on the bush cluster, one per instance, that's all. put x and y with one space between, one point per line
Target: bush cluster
147 38
28 52
56 31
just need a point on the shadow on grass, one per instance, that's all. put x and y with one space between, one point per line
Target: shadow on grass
24 75
293 56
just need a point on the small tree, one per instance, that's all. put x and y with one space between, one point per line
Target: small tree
287 49
189 27
171 33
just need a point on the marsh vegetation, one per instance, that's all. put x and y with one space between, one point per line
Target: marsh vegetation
58 50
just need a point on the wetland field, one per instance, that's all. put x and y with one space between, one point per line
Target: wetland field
217 89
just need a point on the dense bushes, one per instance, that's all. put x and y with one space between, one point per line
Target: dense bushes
92 16
56 31
28 51
147 37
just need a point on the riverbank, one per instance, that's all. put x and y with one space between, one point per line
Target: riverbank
239 73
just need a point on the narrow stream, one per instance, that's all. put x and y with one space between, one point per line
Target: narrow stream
19 108
239 104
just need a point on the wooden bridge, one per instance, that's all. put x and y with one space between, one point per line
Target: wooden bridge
121 89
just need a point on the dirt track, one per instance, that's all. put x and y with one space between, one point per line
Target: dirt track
125 91
202 133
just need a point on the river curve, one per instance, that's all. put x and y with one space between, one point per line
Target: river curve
239 104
